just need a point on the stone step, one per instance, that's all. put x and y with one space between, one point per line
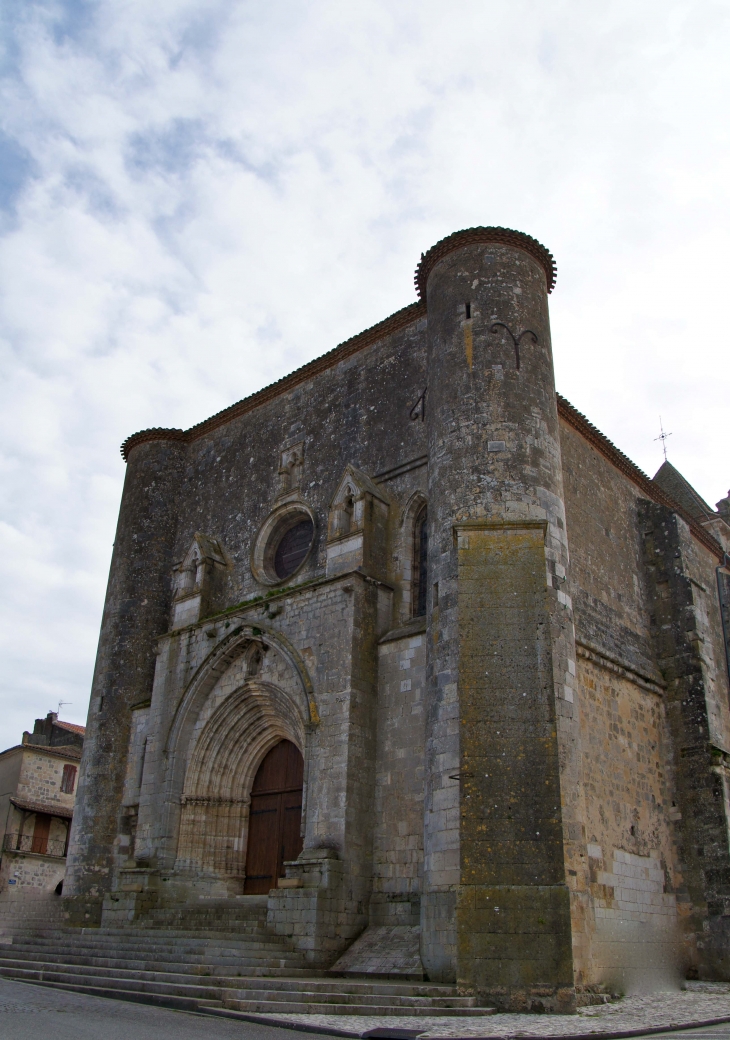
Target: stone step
123 958
225 965
272 1007
259 988
158 999
125 972
201 940
232 969
179 984
361 986
111 981
267 996
178 948
214 967
257 995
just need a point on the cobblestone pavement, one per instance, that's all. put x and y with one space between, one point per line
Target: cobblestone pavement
630 1016
30 1012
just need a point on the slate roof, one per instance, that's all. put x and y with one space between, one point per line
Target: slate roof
671 480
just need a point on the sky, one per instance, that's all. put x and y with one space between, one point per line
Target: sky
198 196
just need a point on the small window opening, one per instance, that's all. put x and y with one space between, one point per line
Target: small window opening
468 311
420 563
140 766
348 509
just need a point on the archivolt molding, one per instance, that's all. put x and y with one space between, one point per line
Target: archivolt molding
214 807
214 747
235 740
217 663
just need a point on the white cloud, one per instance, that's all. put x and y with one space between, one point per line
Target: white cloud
203 196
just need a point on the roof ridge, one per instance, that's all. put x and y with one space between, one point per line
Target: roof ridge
393 323
608 449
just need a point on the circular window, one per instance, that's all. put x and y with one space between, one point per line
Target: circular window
283 543
293 548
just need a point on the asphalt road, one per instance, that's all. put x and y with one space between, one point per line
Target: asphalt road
30 1012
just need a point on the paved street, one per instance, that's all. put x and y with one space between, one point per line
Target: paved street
39 1013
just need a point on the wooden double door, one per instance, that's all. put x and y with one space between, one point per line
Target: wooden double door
275 817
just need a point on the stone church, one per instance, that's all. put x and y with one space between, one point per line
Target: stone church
403 645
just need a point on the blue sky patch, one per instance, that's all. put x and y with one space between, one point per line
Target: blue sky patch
17 166
172 148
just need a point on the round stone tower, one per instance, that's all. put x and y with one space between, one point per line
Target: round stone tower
135 613
501 738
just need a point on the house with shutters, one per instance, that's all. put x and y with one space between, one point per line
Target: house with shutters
37 793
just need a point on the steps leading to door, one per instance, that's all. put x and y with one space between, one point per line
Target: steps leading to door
222 972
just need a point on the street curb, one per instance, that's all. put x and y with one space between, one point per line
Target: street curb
394 1033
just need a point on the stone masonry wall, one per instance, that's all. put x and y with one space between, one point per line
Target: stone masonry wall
629 710
630 808
608 583
40 779
231 477
627 760
398 846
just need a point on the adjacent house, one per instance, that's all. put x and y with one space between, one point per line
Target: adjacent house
37 792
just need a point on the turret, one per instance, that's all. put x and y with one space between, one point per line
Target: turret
136 612
496 911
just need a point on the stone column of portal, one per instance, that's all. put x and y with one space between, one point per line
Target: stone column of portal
502 741
136 611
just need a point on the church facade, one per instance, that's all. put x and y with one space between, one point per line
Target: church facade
405 643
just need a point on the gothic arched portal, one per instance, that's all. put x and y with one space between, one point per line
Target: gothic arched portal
274 817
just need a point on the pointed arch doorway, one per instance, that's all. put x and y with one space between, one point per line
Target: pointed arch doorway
274 818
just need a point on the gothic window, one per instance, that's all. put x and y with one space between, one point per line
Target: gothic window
68 779
348 507
420 562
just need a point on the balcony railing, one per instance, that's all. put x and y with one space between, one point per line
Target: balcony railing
38 845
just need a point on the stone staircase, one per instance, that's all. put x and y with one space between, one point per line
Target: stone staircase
238 971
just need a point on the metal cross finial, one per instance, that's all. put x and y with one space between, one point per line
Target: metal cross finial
663 438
